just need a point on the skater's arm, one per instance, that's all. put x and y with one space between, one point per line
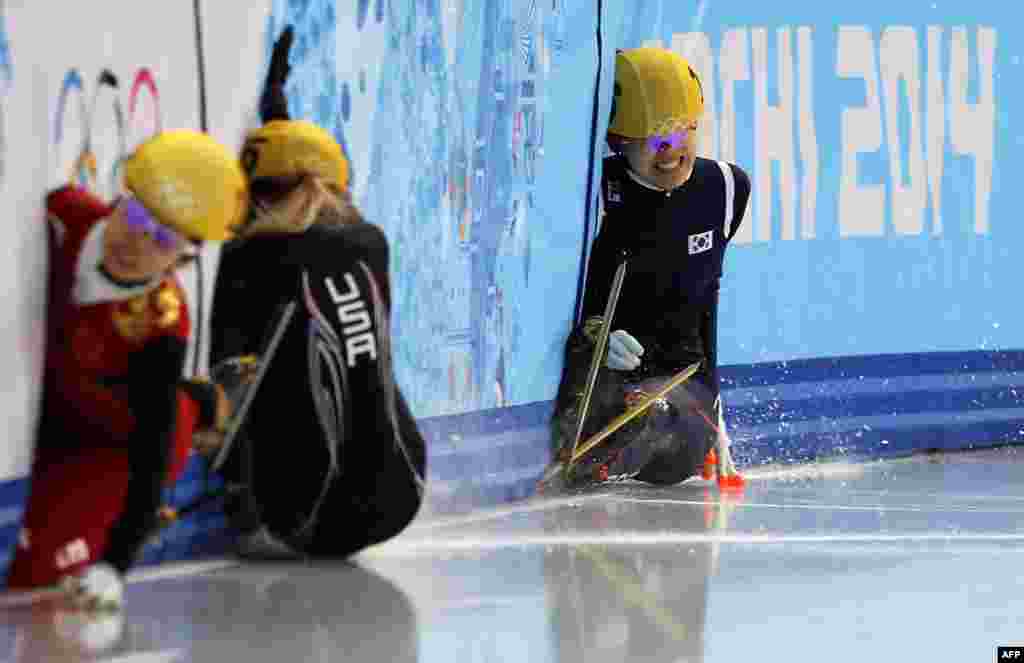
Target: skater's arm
153 397
208 400
600 273
709 327
741 196
273 102
709 339
168 411
70 214
727 474
99 409
74 210
232 329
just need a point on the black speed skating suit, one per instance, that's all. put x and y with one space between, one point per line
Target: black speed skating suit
337 459
675 242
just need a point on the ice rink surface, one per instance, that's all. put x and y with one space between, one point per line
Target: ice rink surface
909 560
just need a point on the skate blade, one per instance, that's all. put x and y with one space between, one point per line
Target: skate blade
553 479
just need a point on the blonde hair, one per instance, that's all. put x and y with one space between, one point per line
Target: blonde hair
336 207
317 199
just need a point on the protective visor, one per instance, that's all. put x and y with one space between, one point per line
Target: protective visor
140 220
668 141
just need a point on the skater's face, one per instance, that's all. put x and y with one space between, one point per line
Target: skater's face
137 247
664 160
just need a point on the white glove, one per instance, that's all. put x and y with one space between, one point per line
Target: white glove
624 351
88 632
97 587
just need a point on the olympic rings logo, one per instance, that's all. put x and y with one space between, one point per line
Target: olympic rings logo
93 159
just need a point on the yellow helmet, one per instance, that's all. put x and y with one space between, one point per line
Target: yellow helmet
191 182
655 90
293 147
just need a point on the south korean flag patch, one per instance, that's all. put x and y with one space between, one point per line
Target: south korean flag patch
701 242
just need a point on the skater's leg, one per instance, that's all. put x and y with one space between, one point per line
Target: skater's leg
378 497
63 535
673 467
689 436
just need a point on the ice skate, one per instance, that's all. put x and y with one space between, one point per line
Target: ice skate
98 587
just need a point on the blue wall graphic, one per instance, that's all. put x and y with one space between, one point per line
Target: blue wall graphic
478 110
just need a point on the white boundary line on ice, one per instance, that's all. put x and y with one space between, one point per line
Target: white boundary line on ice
20 598
533 505
805 506
169 656
530 506
833 470
398 547
952 497
178 570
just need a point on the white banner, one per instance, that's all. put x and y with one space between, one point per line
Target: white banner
87 82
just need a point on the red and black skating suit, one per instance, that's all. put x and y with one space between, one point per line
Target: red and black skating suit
117 420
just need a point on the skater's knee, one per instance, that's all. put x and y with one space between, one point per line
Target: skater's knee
669 468
398 517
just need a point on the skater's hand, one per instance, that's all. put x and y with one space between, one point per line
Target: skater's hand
624 351
89 632
277 72
273 104
224 409
207 442
97 587
166 515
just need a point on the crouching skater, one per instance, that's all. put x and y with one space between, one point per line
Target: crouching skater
668 218
117 419
328 459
